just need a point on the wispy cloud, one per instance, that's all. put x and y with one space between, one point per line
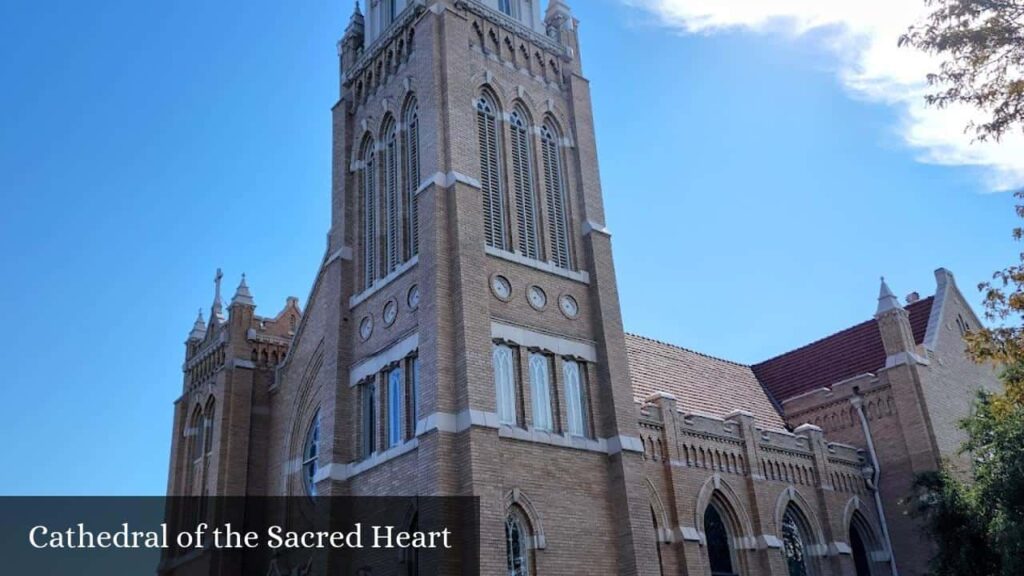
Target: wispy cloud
862 35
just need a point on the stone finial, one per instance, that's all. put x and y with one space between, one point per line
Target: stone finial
199 328
243 297
355 23
217 311
886 299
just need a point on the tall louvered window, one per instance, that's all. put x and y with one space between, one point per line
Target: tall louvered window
522 182
391 216
369 214
503 359
540 391
412 178
495 232
554 189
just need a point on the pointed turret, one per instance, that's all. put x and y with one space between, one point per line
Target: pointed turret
886 299
242 297
894 325
198 329
352 42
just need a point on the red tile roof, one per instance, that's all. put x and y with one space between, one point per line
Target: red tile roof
843 355
700 383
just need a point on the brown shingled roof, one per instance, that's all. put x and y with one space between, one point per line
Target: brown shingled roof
852 352
700 383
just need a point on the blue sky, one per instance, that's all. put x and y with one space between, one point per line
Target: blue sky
754 201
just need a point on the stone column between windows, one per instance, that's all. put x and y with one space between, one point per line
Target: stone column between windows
522 382
764 556
816 442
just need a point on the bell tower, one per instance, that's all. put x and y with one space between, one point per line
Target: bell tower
463 335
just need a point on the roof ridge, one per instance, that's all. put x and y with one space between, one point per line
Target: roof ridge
832 335
683 348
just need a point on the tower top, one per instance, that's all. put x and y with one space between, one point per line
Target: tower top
199 328
243 297
886 299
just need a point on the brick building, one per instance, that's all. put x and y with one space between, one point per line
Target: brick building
463 336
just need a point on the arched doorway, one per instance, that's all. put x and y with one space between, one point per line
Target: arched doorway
862 541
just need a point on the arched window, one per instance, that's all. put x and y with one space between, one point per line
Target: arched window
394 407
369 209
504 383
795 539
540 391
208 429
311 455
207 447
495 225
575 397
412 177
195 436
522 184
517 544
718 542
554 191
390 180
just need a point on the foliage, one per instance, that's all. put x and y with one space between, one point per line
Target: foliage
1004 343
982 46
978 525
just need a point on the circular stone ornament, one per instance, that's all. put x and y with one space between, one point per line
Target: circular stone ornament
501 288
366 328
390 312
413 297
569 307
537 297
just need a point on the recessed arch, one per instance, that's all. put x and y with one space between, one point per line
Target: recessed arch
792 497
717 487
660 513
864 543
516 499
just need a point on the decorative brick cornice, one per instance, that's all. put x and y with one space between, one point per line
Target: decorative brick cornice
503 21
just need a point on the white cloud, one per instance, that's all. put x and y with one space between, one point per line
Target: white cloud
862 34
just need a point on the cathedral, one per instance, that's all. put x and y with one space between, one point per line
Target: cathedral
463 336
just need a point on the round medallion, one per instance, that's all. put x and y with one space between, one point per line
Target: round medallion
413 297
568 305
538 299
366 327
501 287
390 312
